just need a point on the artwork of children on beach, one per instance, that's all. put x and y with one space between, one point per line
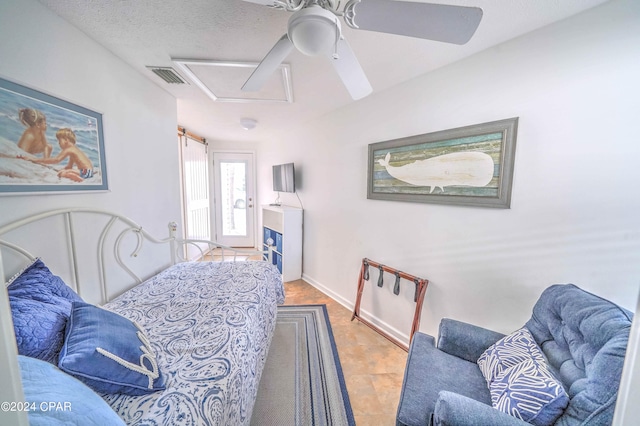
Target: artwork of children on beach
42 144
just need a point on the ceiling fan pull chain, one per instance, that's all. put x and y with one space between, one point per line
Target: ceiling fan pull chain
339 37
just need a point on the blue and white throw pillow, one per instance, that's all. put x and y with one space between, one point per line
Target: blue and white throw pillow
109 353
520 381
511 350
40 306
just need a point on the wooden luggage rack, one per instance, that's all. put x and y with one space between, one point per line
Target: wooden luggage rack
421 288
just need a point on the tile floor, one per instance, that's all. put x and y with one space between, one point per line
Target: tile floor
373 367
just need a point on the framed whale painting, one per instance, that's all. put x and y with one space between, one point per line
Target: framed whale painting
48 145
469 166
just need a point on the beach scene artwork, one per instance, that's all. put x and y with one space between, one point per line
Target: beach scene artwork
48 144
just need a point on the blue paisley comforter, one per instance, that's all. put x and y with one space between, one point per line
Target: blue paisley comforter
210 325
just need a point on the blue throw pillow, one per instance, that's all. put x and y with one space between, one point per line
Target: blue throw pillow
109 353
520 380
529 392
40 306
511 350
54 398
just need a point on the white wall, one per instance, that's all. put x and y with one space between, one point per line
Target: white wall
575 203
42 51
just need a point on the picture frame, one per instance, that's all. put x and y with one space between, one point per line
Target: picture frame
469 166
47 144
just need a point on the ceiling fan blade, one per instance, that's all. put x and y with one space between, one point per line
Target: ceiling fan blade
440 22
269 64
350 71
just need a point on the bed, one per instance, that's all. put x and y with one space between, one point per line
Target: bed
182 346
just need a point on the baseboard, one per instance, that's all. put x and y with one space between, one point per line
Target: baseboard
341 300
391 331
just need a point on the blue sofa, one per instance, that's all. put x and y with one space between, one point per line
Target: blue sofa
583 338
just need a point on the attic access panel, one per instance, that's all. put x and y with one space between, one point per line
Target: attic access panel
222 80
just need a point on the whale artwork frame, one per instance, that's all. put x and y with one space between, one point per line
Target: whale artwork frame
467 166
24 169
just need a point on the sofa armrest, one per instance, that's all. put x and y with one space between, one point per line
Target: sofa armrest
453 409
466 341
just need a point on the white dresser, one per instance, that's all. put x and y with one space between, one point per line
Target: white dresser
283 225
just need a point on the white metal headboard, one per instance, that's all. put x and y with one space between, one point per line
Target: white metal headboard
176 245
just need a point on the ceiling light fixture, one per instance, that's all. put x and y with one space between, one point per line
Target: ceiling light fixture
248 123
314 31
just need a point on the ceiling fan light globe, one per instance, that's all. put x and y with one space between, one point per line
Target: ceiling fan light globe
314 31
313 37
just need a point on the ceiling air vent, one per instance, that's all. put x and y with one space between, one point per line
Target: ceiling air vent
168 74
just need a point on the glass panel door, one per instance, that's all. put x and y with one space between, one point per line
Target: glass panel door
234 199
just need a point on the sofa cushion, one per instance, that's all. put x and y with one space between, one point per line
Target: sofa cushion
429 371
109 353
584 338
40 306
464 340
520 381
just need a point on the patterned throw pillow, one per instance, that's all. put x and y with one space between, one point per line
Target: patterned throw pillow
520 381
511 350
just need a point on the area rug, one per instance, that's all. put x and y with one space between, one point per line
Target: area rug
302 382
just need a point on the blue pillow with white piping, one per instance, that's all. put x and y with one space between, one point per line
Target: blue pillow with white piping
109 353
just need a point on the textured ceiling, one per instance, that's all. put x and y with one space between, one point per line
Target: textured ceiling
152 33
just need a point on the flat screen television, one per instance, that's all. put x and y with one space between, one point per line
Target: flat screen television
284 179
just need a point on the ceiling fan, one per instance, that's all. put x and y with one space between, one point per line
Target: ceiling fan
314 29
